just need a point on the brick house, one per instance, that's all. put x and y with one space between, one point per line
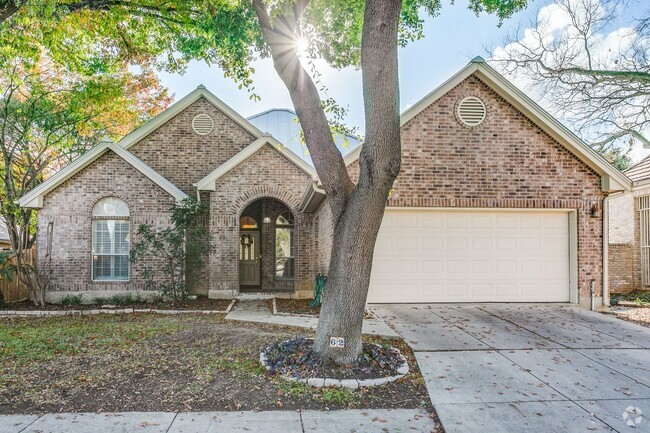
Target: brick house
496 202
629 228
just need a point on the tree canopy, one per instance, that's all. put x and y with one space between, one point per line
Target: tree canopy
93 35
590 69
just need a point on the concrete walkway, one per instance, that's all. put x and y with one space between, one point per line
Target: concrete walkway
528 368
258 311
304 421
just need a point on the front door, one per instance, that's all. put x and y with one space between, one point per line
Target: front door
249 258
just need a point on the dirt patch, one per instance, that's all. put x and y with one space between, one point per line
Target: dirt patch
151 362
295 306
200 303
638 315
301 307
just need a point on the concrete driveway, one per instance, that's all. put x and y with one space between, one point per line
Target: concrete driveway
528 368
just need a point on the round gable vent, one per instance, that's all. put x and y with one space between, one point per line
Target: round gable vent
471 111
202 124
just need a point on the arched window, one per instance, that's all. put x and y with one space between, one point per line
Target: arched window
284 246
111 240
247 223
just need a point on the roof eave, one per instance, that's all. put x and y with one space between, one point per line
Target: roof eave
312 198
35 198
208 183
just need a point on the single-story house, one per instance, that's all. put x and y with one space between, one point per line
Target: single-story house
629 233
496 202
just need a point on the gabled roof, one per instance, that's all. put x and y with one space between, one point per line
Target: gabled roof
639 171
208 182
200 92
611 178
34 199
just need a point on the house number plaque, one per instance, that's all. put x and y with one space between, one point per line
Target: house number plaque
338 342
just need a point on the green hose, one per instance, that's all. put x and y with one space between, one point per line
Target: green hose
319 286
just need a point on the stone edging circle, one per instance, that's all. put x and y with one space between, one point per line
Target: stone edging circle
320 382
59 313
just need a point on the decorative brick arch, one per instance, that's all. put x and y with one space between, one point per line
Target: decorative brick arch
265 191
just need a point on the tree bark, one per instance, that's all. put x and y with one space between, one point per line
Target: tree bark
355 232
357 210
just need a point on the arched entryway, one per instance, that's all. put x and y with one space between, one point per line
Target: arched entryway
267 246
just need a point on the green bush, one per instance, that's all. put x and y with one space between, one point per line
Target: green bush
125 299
72 300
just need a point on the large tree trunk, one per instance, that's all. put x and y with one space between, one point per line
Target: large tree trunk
357 210
356 229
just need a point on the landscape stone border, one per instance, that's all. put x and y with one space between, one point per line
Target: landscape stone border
4 314
321 382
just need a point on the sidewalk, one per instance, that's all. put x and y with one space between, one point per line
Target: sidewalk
304 421
257 311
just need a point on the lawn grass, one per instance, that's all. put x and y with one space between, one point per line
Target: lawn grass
151 362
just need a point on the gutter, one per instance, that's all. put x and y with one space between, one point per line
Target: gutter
312 197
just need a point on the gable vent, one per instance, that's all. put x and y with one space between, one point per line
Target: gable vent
471 111
202 124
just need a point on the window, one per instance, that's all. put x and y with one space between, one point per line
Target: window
247 223
284 245
111 240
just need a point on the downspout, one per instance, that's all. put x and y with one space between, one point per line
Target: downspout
606 248
198 193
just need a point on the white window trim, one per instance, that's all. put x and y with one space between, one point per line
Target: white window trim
92 254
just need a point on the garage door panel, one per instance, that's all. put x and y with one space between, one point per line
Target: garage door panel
456 221
432 268
457 244
471 256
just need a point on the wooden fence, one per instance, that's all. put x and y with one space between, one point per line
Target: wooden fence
15 290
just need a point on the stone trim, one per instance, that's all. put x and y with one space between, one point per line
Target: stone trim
8 314
320 382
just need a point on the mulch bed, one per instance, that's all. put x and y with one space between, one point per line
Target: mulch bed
201 303
295 306
295 358
299 306
150 362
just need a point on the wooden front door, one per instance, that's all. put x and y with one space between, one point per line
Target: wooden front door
249 258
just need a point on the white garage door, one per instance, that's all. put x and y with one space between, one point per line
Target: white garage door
471 256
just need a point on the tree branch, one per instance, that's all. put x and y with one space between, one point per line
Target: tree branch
327 159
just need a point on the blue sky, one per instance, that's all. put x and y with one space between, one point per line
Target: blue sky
451 40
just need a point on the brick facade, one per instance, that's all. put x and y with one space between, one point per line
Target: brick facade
184 157
264 175
506 162
69 208
624 258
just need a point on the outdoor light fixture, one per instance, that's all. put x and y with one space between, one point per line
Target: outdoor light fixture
267 220
595 211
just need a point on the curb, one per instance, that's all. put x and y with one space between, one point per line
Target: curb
320 382
60 313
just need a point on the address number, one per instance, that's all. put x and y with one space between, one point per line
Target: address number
338 342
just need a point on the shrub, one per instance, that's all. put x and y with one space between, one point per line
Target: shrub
71 300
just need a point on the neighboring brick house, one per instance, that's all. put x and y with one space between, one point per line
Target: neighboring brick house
629 233
496 201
